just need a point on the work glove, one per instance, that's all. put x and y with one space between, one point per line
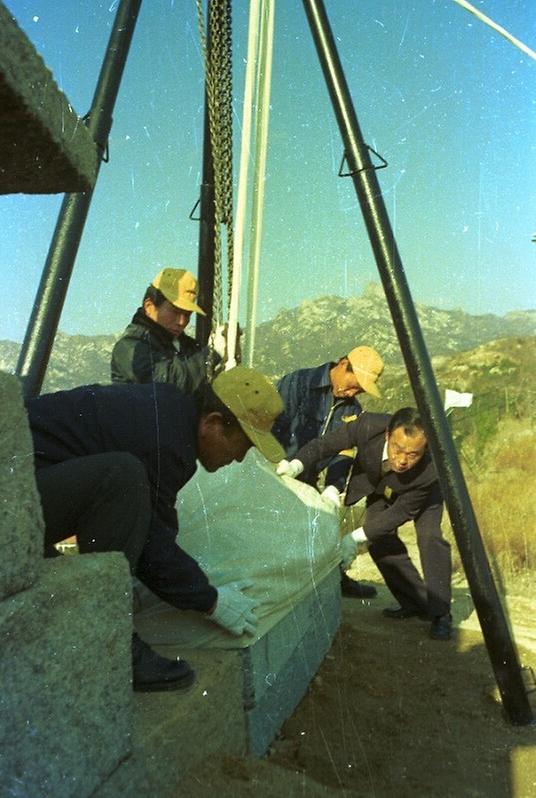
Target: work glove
332 495
350 547
234 610
289 469
218 340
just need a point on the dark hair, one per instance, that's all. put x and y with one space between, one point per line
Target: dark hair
407 417
155 295
208 402
348 364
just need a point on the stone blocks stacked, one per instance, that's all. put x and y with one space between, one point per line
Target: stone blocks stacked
65 629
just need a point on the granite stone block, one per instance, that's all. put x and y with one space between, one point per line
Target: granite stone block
65 678
21 523
45 147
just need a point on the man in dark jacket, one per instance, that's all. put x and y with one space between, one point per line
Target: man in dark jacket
394 470
317 401
154 346
109 463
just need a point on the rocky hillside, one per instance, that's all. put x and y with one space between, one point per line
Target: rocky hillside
326 328
499 374
75 360
316 331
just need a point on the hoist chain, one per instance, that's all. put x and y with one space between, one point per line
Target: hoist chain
218 81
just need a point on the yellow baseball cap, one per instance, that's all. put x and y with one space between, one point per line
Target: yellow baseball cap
180 288
255 402
367 366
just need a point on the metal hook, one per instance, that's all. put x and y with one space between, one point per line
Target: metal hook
191 214
382 165
104 148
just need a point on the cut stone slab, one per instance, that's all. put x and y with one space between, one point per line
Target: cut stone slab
21 523
279 667
44 147
238 704
65 678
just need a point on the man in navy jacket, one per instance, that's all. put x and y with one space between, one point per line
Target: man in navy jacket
394 470
109 463
317 401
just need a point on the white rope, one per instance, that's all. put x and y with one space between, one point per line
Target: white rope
487 21
251 64
261 151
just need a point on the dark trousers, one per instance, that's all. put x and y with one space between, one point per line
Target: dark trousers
432 595
103 499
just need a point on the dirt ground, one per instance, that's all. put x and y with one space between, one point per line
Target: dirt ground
393 713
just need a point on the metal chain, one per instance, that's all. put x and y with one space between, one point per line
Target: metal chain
226 136
218 77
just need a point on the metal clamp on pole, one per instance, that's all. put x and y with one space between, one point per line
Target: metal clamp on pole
381 165
191 214
104 149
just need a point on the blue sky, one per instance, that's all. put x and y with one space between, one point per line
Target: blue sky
446 101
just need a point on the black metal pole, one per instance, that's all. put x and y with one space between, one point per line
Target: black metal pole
44 320
499 643
205 267
207 208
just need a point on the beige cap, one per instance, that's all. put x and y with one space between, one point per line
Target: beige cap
180 288
367 366
251 397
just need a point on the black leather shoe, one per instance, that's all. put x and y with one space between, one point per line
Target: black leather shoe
401 613
151 672
441 628
353 589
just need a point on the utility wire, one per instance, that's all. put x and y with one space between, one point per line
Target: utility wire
498 28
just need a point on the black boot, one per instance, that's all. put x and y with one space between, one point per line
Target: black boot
441 628
151 672
351 588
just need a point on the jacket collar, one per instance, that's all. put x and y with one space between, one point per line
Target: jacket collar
320 377
142 320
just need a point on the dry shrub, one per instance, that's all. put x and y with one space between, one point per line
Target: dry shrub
503 492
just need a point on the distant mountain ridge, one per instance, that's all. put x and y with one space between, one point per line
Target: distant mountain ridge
312 333
325 328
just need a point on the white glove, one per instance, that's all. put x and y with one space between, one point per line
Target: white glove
234 610
218 340
351 547
289 469
332 495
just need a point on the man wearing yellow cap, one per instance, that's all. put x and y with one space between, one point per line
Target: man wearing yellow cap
110 460
154 346
318 400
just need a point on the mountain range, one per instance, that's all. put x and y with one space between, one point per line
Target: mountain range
326 328
312 333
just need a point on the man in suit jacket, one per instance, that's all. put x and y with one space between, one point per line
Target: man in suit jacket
394 470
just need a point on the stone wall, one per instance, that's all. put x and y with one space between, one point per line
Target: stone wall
65 630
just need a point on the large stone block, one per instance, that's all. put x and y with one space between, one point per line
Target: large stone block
65 670
238 704
279 667
21 523
44 147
